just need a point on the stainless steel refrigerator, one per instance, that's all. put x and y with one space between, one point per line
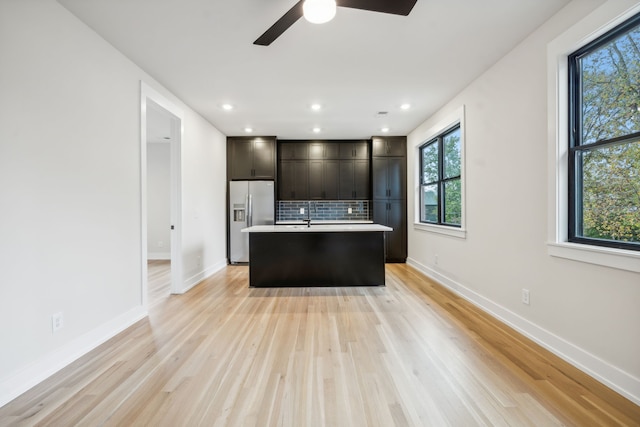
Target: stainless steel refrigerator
250 203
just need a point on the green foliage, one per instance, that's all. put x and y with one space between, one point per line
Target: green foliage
611 109
449 179
611 193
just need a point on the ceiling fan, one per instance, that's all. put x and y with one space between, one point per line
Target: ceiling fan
395 7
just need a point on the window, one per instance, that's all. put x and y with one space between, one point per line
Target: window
440 180
604 140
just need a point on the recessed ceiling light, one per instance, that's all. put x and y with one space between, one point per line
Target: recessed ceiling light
405 106
227 107
316 107
316 130
248 130
384 130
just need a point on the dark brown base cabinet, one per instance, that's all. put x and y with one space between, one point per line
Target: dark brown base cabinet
392 213
316 259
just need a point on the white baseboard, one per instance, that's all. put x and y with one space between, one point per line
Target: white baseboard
40 370
199 277
611 376
157 256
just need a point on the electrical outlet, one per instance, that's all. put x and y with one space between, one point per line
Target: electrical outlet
57 322
349 210
301 211
435 259
160 244
525 296
199 261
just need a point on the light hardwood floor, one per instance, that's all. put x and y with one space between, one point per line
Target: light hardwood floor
159 281
408 354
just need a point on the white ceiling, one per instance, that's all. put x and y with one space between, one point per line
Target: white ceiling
357 65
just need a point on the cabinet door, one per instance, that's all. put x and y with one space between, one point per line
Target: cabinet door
286 151
331 173
324 150
316 150
286 190
397 146
361 179
316 178
354 150
380 208
242 159
345 150
331 150
346 180
263 159
361 150
396 178
294 180
301 177
380 182
293 150
379 147
395 240
392 213
394 146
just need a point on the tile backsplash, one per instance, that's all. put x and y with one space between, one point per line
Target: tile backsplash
324 210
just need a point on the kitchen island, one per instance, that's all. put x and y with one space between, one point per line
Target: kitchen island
319 255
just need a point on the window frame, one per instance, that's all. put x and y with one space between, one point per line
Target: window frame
575 142
596 23
441 180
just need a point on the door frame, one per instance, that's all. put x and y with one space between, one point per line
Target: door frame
148 93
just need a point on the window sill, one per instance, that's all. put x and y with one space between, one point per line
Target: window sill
439 229
620 259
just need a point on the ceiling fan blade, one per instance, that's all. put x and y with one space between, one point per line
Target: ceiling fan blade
396 7
281 25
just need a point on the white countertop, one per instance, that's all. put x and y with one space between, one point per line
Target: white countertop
318 228
333 221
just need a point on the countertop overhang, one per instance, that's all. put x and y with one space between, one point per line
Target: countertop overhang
325 221
315 228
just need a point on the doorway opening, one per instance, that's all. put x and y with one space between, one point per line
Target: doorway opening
161 134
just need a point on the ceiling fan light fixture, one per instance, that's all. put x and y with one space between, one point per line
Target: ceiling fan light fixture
319 11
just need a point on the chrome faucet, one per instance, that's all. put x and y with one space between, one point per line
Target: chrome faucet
308 220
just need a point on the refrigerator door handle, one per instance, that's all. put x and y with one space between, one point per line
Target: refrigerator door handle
249 210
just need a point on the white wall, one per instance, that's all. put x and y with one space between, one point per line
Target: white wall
158 200
587 313
203 200
70 171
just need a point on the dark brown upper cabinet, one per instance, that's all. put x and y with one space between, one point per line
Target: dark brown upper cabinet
324 183
354 150
391 146
389 177
320 150
293 182
293 150
354 179
251 158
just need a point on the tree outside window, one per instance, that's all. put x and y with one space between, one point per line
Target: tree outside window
604 163
441 188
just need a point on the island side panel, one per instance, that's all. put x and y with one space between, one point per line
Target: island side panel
316 259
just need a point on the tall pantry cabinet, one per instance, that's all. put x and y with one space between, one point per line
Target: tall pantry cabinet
389 185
